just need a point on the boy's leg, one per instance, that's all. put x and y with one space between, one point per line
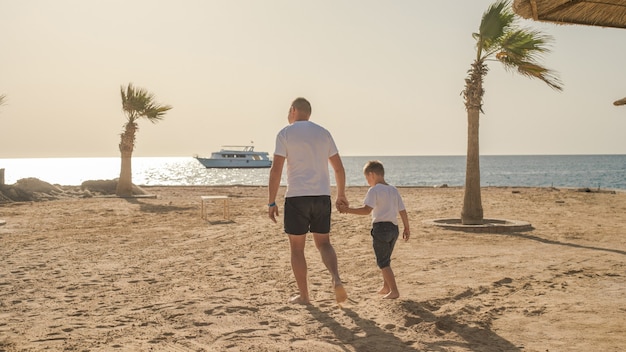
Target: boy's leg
390 281
384 236
385 289
298 265
329 258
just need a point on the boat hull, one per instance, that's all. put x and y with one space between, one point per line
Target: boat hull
234 164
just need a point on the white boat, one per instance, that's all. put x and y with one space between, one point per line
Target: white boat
234 156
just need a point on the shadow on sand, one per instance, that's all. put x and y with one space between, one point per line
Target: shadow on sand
375 338
477 335
574 245
155 208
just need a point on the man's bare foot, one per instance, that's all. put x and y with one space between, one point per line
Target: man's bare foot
384 291
340 294
392 295
299 300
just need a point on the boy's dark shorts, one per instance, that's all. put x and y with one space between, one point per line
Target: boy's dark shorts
384 236
308 213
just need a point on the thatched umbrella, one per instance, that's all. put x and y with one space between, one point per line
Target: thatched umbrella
620 102
605 13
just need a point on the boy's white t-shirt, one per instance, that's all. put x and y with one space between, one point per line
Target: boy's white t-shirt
385 201
306 147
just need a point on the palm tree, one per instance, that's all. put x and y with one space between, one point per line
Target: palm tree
499 39
136 103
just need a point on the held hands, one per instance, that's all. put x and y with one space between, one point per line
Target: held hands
342 208
342 204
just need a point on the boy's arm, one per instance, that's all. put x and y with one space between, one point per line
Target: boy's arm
364 210
405 222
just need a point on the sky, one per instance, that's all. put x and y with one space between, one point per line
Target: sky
384 77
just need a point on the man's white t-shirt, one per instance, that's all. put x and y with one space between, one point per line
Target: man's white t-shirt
385 201
306 147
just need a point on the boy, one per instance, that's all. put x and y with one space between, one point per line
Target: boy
385 203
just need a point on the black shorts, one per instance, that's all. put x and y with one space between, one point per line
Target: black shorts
384 236
308 213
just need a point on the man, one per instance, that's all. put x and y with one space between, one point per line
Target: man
307 148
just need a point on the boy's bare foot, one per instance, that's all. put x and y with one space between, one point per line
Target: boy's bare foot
299 300
391 295
340 294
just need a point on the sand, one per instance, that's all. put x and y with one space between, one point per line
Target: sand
111 274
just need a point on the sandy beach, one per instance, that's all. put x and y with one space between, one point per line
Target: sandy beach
149 274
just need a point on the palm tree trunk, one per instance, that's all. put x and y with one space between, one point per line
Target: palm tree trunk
472 213
125 182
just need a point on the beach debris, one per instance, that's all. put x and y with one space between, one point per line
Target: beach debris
33 184
106 187
33 189
29 189
598 190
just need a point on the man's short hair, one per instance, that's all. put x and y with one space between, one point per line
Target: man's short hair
302 105
374 166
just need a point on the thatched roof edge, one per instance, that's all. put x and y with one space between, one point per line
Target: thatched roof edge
605 13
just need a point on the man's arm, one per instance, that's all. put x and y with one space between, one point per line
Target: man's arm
276 172
340 179
405 222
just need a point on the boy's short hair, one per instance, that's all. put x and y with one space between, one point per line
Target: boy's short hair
374 166
302 105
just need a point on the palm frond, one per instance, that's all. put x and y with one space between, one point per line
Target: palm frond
524 45
138 102
495 22
533 70
521 50
518 49
155 113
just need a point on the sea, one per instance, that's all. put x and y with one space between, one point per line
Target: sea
570 171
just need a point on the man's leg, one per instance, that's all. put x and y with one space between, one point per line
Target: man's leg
329 257
298 265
